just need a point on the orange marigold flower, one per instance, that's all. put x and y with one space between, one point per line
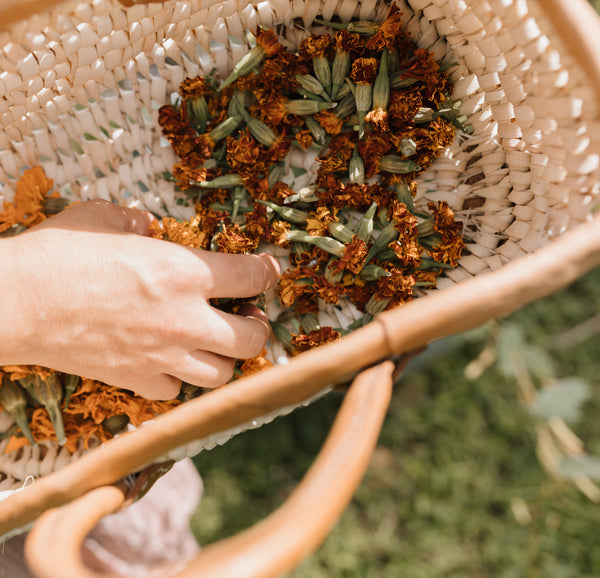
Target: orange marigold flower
316 45
426 70
186 177
245 155
272 111
267 40
26 207
257 223
9 217
193 87
450 249
371 150
317 337
184 233
295 284
278 73
364 70
279 230
232 240
329 121
256 364
353 258
327 291
402 107
359 294
279 192
448 252
204 148
397 287
304 139
171 120
390 32
316 224
350 42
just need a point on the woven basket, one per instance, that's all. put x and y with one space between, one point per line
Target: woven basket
524 183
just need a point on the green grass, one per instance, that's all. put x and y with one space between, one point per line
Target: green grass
455 460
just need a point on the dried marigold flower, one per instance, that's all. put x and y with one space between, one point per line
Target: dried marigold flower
315 338
194 87
231 240
389 34
256 364
364 70
316 45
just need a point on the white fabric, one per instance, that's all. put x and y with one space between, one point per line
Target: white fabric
152 537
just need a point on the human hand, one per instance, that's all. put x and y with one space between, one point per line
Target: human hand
88 293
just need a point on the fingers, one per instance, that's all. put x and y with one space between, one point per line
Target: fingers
205 369
239 275
240 336
161 387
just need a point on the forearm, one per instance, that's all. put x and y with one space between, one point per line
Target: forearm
17 334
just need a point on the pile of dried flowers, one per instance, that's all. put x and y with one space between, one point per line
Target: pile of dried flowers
375 112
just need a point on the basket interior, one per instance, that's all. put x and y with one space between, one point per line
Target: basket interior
81 86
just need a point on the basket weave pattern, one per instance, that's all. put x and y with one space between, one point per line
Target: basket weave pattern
82 84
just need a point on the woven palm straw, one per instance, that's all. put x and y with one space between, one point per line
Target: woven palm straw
527 174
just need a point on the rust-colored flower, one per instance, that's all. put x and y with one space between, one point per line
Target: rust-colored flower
326 291
266 38
353 258
295 284
316 45
258 226
304 342
304 139
279 230
278 73
397 287
402 108
184 233
316 224
378 119
424 68
350 42
364 70
232 240
390 34
256 364
329 121
194 87
245 155
450 249
26 207
371 150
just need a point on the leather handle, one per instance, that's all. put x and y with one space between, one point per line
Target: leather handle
274 546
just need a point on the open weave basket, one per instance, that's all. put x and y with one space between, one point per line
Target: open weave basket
525 181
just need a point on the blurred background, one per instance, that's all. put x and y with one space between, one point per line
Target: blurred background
486 465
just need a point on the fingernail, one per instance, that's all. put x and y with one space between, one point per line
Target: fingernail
249 310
